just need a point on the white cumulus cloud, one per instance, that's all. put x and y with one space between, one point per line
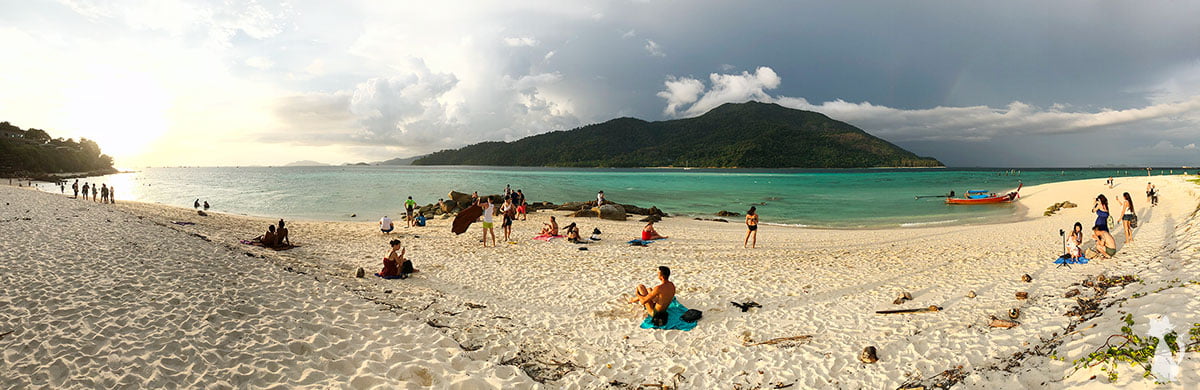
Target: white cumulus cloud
520 41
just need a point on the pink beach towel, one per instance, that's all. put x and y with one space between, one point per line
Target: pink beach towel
546 237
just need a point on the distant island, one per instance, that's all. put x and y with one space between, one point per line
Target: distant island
306 163
734 135
33 153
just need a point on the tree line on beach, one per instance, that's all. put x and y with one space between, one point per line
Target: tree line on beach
35 153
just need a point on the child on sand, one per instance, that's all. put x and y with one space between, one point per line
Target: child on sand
1075 241
656 300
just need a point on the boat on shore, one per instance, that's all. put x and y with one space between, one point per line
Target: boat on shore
984 197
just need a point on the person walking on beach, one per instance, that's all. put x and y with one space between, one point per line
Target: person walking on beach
521 206
1101 210
510 213
409 217
104 193
656 300
751 227
1127 217
489 211
385 225
112 195
85 190
95 191
75 187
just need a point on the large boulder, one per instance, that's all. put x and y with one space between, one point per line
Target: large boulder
611 212
585 213
656 212
573 206
459 198
449 206
428 210
724 213
542 206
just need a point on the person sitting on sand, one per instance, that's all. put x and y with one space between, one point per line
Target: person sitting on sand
551 228
268 239
281 235
1106 246
395 265
573 234
385 225
656 300
1075 241
648 232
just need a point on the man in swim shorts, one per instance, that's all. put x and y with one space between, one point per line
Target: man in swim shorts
409 206
656 300
1106 246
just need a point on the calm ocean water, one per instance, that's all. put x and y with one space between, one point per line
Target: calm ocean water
822 198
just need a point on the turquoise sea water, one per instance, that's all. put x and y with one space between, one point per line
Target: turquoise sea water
820 198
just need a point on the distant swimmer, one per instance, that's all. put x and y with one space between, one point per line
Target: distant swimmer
206 205
196 204
751 227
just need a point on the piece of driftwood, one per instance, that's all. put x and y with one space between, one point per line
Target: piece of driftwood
999 323
906 311
778 340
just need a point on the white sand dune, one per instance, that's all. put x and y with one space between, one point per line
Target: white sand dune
104 295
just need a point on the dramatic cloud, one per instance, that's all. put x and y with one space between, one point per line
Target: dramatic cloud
689 97
207 82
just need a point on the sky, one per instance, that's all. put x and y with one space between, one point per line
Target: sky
222 83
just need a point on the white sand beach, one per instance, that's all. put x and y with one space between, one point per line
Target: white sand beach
95 295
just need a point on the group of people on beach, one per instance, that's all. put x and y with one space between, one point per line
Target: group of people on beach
275 238
1106 245
101 194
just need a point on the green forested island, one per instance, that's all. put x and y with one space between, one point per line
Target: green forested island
734 135
34 153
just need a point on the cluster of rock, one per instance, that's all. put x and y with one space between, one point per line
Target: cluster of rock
609 211
1059 206
457 201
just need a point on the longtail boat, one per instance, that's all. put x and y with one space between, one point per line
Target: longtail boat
983 197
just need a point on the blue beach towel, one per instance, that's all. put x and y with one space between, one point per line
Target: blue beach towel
638 241
1068 260
674 311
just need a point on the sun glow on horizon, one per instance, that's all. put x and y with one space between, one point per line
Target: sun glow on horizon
122 111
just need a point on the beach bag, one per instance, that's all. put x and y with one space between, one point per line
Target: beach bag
1133 222
692 315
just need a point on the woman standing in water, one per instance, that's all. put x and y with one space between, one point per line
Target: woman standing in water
751 227
1127 217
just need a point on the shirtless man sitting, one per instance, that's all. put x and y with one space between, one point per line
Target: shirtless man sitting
657 299
1106 246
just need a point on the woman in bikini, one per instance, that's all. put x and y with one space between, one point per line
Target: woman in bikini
752 227
1127 217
